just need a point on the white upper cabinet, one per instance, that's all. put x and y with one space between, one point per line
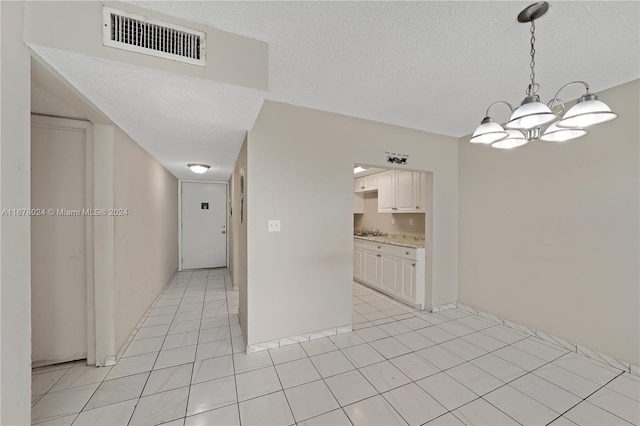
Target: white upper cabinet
405 192
366 183
400 191
358 203
422 188
371 182
387 192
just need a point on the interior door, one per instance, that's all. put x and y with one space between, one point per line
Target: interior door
58 245
204 225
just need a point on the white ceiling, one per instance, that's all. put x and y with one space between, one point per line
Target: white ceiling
177 119
434 66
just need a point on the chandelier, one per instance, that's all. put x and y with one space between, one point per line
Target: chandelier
534 120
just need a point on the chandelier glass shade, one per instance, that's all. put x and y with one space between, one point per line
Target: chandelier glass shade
533 119
513 140
488 132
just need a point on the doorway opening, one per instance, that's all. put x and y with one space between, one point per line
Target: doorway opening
393 232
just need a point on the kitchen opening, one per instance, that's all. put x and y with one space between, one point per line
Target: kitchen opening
392 233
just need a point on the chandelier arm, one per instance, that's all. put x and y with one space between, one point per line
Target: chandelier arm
559 101
555 98
496 103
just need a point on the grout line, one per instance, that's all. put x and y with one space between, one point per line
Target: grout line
163 341
281 385
193 364
585 399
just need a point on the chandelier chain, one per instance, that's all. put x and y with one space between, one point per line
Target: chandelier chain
533 87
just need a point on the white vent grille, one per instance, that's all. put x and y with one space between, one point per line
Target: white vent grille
139 34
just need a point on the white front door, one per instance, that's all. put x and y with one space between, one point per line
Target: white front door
204 225
58 241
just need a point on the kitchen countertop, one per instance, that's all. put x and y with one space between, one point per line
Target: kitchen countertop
396 240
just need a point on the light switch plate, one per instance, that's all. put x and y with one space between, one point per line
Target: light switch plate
274 226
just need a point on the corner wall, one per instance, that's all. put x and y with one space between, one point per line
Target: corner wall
238 238
301 172
549 233
146 239
15 274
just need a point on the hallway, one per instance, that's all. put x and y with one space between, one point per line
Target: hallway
186 366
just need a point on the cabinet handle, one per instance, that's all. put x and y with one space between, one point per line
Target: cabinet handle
413 264
379 255
407 253
378 247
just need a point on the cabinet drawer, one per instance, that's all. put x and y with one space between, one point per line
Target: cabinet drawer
367 245
404 252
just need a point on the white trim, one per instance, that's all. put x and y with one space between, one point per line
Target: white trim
554 340
226 234
443 307
291 340
103 231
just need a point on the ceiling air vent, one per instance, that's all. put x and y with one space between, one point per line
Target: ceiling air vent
135 33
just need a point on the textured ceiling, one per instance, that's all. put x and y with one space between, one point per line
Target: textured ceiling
434 66
177 119
46 103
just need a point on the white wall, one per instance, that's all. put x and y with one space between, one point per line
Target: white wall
549 233
146 240
301 172
77 27
238 237
15 297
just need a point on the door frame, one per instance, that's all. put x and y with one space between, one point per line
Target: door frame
58 123
226 214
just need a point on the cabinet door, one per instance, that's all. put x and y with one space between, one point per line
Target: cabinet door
371 182
386 192
405 192
358 203
421 193
358 184
372 268
357 262
391 273
408 277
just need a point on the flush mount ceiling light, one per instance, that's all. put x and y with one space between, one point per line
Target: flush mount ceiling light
534 120
198 168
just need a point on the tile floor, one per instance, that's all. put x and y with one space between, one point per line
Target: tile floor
187 366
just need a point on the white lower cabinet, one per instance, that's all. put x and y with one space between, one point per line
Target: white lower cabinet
408 275
396 271
358 263
390 272
372 267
